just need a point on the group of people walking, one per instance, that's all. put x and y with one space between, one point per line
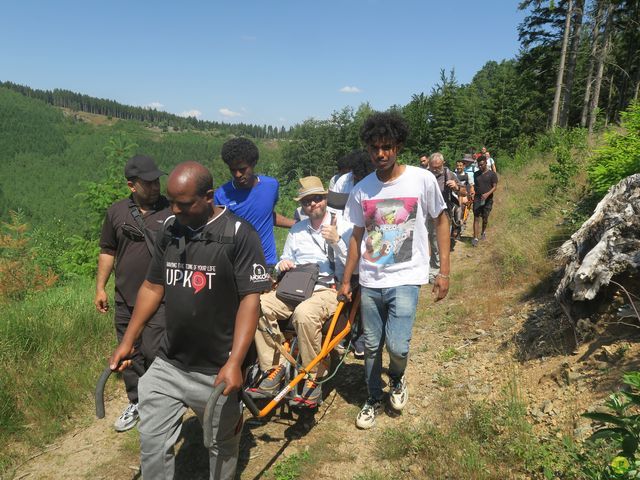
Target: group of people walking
194 297
468 188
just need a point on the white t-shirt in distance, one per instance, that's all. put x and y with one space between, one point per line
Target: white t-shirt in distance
394 247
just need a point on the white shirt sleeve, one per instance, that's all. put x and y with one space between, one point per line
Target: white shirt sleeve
288 250
353 211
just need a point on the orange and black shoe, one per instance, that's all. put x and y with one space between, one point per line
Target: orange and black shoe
269 385
310 397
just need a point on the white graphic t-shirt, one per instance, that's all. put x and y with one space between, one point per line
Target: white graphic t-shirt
395 246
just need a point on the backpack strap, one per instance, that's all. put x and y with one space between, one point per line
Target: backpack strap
148 236
226 237
179 235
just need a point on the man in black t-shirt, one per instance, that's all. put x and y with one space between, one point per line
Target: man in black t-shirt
485 183
126 241
209 265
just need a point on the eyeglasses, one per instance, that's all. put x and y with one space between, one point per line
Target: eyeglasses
306 201
132 232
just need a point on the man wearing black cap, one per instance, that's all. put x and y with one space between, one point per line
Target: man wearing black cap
127 238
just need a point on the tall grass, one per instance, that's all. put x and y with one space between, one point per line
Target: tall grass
52 348
534 205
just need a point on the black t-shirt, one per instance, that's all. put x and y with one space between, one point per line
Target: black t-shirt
483 182
205 274
121 237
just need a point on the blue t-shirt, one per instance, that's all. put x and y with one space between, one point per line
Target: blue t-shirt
256 206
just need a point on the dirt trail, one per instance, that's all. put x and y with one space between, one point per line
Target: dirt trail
454 361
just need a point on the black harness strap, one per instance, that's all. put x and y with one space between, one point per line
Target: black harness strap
148 236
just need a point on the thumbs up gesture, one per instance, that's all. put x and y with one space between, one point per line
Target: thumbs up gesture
330 232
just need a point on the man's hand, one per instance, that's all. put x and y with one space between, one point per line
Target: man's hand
485 196
101 301
440 288
345 290
330 232
452 184
231 374
285 265
119 359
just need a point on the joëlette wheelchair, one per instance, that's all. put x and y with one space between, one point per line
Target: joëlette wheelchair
334 331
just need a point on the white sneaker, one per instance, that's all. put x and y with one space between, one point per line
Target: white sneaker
399 395
367 416
128 419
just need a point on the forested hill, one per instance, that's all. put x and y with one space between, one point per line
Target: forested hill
60 172
110 108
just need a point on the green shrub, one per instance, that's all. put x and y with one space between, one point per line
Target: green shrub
622 429
620 157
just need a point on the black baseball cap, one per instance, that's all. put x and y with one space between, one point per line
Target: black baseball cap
143 167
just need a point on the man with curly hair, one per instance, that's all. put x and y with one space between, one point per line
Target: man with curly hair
250 196
388 210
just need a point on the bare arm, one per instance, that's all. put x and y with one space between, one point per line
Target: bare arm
490 192
353 257
105 266
147 302
441 284
244 332
282 221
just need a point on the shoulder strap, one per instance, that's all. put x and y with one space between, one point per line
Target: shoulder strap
227 236
135 213
327 250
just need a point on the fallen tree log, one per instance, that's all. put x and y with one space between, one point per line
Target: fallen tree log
606 246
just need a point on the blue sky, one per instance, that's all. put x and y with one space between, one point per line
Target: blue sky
273 62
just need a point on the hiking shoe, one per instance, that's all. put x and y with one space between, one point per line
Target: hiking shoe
269 385
128 419
358 347
310 397
474 242
483 236
367 416
399 395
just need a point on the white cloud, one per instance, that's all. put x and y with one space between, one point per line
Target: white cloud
191 113
350 89
225 112
156 105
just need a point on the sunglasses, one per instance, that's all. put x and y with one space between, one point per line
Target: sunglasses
306 201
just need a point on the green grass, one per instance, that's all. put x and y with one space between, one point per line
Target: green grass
291 467
371 475
448 354
443 380
489 440
53 346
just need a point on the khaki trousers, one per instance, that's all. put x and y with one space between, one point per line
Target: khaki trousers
307 319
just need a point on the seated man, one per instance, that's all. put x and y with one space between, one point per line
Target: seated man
313 240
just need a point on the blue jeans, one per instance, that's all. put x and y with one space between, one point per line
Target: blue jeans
387 316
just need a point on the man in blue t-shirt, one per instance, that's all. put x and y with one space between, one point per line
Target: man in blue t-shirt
250 196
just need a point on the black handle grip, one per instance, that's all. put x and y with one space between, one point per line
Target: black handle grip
248 401
102 381
211 405
208 412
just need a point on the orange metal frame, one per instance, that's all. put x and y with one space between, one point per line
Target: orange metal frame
328 345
